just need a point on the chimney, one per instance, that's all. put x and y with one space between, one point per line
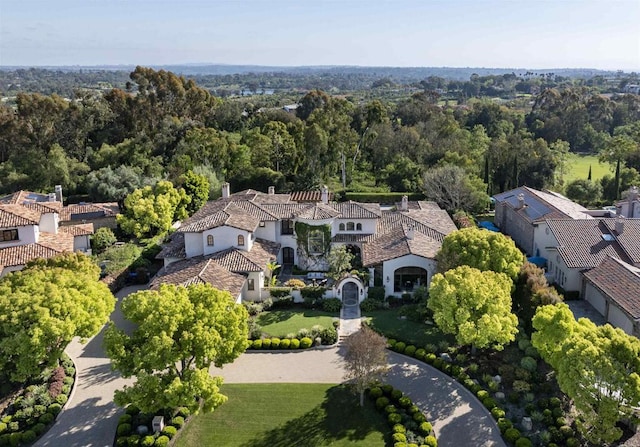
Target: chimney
52 197
325 194
226 190
632 197
410 232
58 193
619 225
520 201
272 190
405 204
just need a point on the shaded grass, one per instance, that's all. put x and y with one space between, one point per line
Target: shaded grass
284 415
280 322
579 168
389 323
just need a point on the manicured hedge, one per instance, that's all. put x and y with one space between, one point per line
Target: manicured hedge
381 197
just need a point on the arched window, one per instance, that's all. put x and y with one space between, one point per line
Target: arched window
240 240
350 226
341 227
358 227
210 241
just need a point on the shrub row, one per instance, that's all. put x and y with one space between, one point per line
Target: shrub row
409 426
128 424
285 343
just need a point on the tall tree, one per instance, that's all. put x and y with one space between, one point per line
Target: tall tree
365 359
46 305
455 190
180 332
474 306
481 249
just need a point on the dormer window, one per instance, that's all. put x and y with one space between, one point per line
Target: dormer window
210 241
9 235
240 240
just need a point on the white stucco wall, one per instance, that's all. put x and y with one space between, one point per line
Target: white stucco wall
612 313
193 244
81 243
618 318
258 292
389 268
546 244
337 290
268 232
368 226
595 298
26 235
49 222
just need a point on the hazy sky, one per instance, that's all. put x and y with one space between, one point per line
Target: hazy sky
473 33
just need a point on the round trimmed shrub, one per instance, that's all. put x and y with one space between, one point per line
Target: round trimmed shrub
419 418
396 394
413 409
497 413
256 344
482 394
532 352
410 350
523 442
430 358
375 392
306 342
169 431
121 441
132 410
147 441
70 371
133 440
489 403
400 347
67 380
381 402
62 399
391 343
161 441
46 418
566 431
177 421
512 435
266 343
554 402
329 336
399 437
28 436
399 428
275 343
572 442
39 428
295 343
390 409
386 389
529 363
331 305
425 428
125 419
430 441
3 427
15 439
420 353
394 418
285 343
504 424
404 402
66 389
123 429
54 409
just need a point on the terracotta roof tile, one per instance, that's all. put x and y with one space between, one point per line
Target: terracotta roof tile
272 198
351 237
581 243
355 210
255 260
200 271
174 248
89 211
17 216
309 196
255 210
230 215
60 242
318 211
77 230
396 244
619 281
21 254
285 210
435 223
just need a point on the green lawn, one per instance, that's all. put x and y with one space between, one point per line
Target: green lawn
578 168
392 326
281 322
286 415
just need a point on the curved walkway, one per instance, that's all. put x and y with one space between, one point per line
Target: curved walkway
90 417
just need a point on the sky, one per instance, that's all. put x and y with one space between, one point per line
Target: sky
603 34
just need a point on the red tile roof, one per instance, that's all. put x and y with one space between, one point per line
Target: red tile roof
17 216
77 230
620 282
93 210
21 254
309 196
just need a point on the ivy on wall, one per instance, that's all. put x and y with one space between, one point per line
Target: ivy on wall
303 231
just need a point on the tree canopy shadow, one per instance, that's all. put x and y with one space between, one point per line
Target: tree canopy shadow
274 316
338 417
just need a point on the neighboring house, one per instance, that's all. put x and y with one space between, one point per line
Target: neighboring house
630 207
243 232
519 211
613 289
99 214
30 228
572 246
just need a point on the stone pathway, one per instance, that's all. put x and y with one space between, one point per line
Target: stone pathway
350 319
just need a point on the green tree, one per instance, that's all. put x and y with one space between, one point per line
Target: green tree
102 239
339 260
180 332
585 192
474 306
365 359
197 189
481 249
455 190
598 367
46 305
151 210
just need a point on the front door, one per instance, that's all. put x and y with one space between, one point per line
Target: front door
350 294
287 256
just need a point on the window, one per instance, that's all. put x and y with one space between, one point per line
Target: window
9 235
316 242
350 226
286 226
359 227
210 241
341 227
240 240
251 284
262 224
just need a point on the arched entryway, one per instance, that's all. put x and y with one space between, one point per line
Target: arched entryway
407 279
288 257
350 294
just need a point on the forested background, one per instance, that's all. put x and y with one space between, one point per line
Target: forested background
101 134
